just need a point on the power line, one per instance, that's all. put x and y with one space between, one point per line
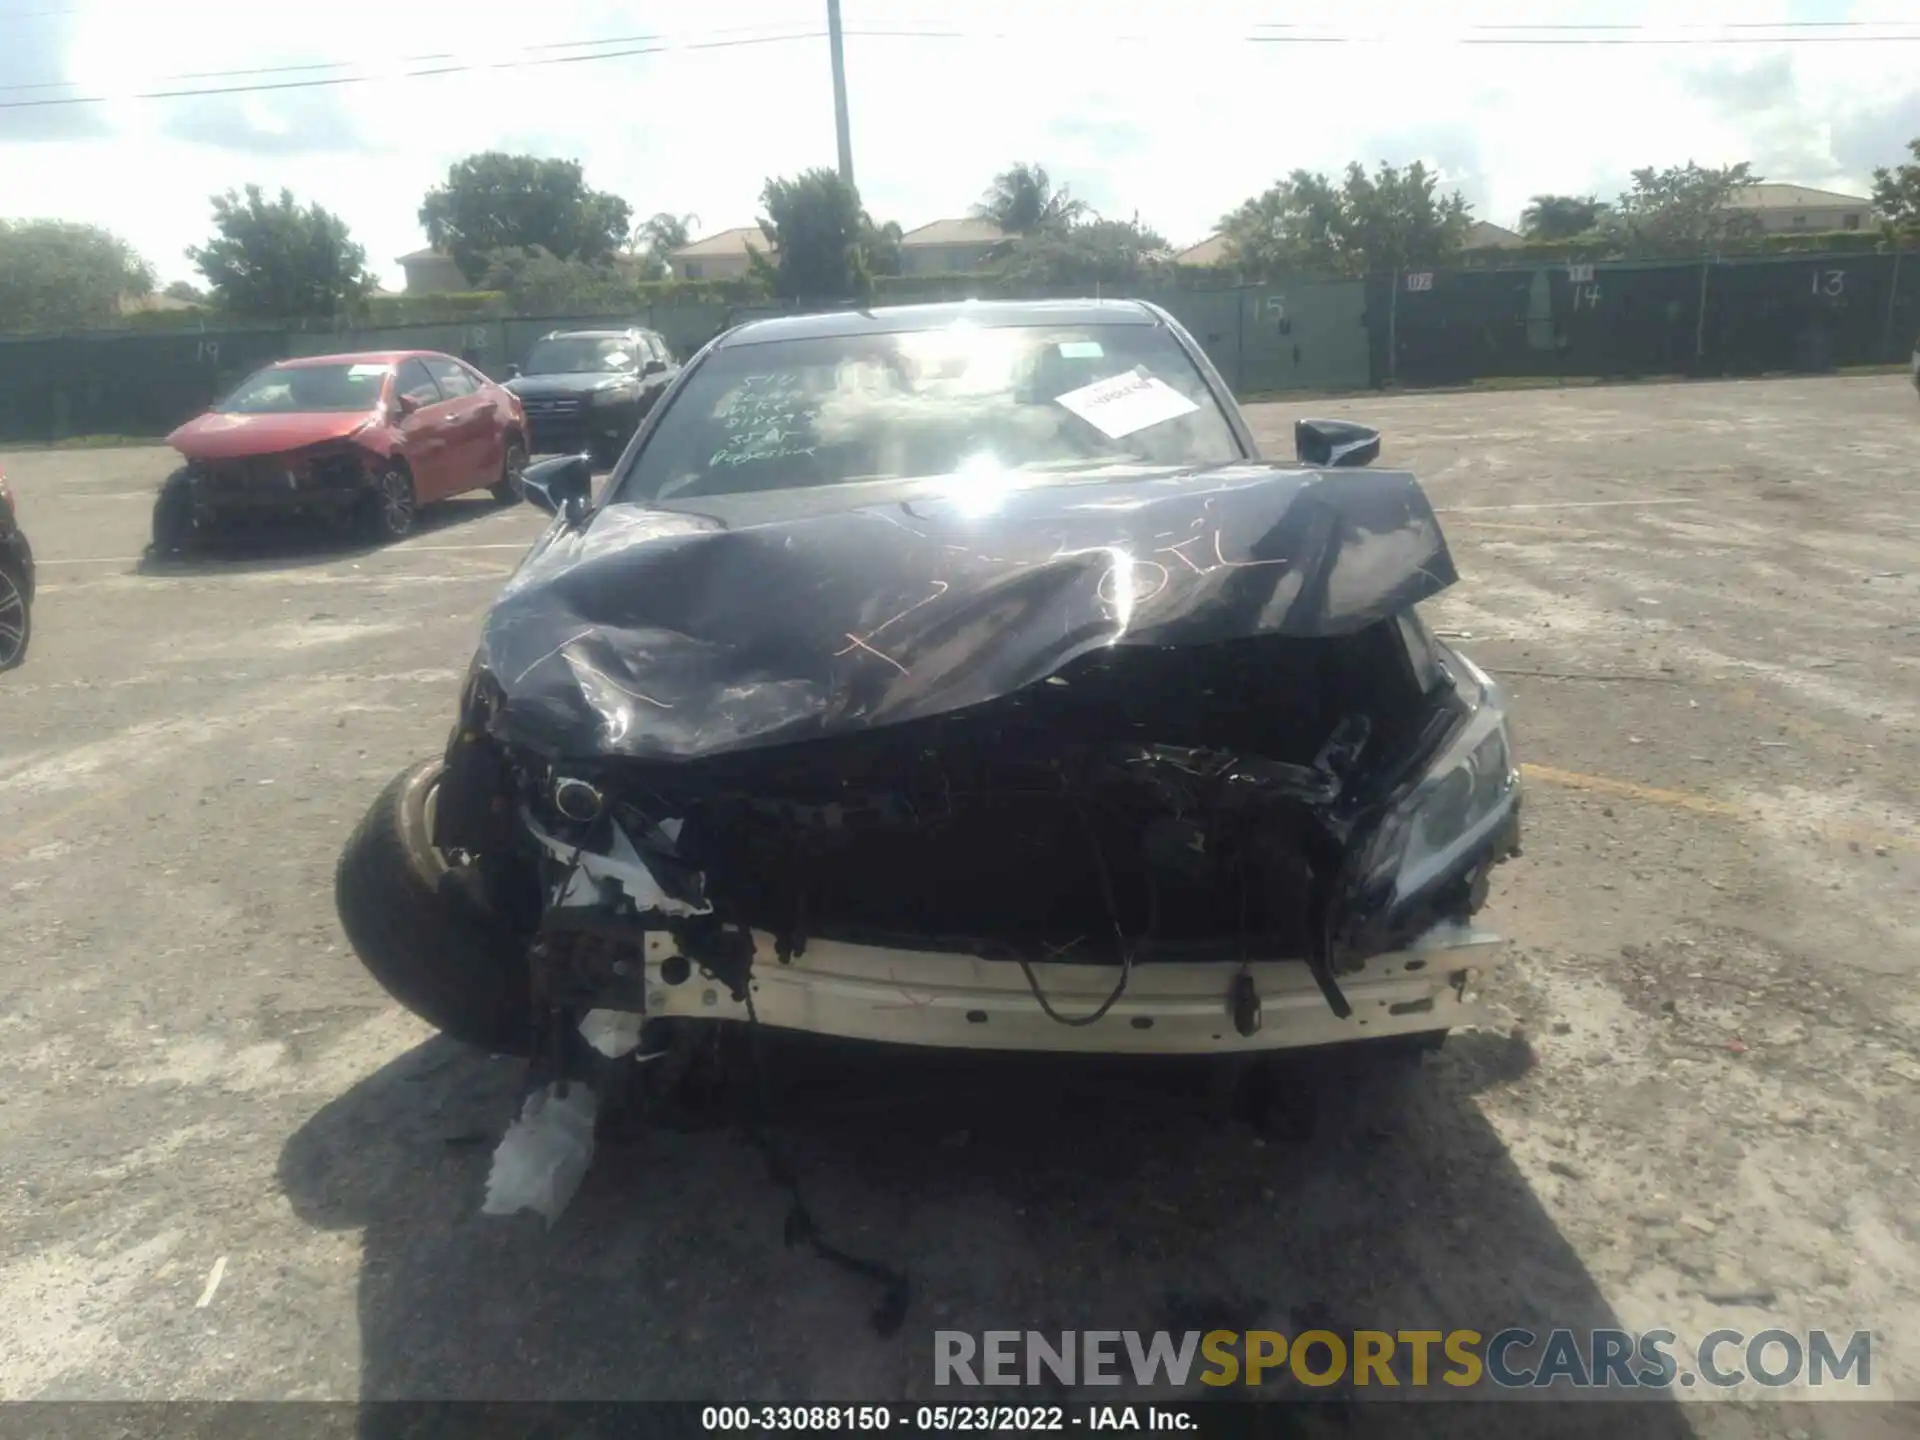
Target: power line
366 79
1288 35
312 65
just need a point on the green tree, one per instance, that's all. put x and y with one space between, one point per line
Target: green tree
1392 219
185 290
1561 217
1686 210
494 201
1095 253
1896 193
58 275
655 240
275 259
881 245
1023 200
816 228
538 282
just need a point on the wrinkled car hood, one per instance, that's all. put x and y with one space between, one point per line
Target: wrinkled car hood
792 615
529 387
218 436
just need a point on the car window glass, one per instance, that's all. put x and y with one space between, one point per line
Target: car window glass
307 389
453 381
415 384
832 410
579 355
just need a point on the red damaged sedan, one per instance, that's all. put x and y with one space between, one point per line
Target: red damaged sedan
366 439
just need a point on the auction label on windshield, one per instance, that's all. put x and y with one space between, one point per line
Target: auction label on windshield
1122 404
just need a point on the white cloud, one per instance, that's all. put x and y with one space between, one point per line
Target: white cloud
1138 104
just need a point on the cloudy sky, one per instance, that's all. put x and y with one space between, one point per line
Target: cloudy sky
1169 109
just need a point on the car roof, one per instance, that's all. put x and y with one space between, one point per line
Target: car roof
594 334
893 319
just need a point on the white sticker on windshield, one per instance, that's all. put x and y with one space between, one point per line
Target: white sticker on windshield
1080 350
360 372
1118 406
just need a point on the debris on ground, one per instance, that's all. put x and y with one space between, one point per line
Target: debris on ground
544 1154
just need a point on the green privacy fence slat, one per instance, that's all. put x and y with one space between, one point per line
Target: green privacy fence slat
1743 316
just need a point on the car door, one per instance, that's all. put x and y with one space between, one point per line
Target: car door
423 430
473 437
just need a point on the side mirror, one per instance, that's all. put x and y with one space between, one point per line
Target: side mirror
513 372
404 405
654 367
559 487
1338 443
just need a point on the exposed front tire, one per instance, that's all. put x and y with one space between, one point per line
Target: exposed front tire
390 510
507 489
174 525
16 617
425 937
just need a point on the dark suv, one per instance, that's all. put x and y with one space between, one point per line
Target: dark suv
585 390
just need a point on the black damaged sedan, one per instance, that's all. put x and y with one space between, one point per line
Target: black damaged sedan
954 676
16 583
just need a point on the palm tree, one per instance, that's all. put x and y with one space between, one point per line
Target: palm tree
1561 217
660 236
1023 201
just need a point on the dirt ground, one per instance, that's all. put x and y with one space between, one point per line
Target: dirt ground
229 1167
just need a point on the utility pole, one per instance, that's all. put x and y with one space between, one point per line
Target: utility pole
841 129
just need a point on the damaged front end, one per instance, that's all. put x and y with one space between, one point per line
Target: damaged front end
1234 798
320 482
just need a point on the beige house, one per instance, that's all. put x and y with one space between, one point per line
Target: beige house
1210 251
1787 209
1485 235
950 247
431 272
719 257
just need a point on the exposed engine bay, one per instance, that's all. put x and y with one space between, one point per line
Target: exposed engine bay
1206 805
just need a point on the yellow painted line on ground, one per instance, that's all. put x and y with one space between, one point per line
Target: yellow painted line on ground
1631 790
1556 531
1701 804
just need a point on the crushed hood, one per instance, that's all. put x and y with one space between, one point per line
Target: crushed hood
794 615
217 436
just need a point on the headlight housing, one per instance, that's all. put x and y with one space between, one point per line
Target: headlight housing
1457 809
616 394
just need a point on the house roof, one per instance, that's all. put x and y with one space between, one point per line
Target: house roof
1210 251
962 230
737 241
420 257
1485 235
1789 197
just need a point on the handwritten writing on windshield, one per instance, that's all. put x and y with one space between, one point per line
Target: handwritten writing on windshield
768 418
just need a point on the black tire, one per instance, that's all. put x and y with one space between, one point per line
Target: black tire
604 453
390 510
174 526
16 617
423 936
507 489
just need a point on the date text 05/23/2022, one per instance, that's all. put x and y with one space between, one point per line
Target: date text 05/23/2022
921 1419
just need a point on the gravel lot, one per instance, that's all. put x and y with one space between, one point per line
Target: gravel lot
1697 1107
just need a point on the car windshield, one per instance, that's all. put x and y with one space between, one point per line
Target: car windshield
307 389
837 409
579 355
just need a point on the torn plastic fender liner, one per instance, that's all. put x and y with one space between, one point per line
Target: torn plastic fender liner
754 620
